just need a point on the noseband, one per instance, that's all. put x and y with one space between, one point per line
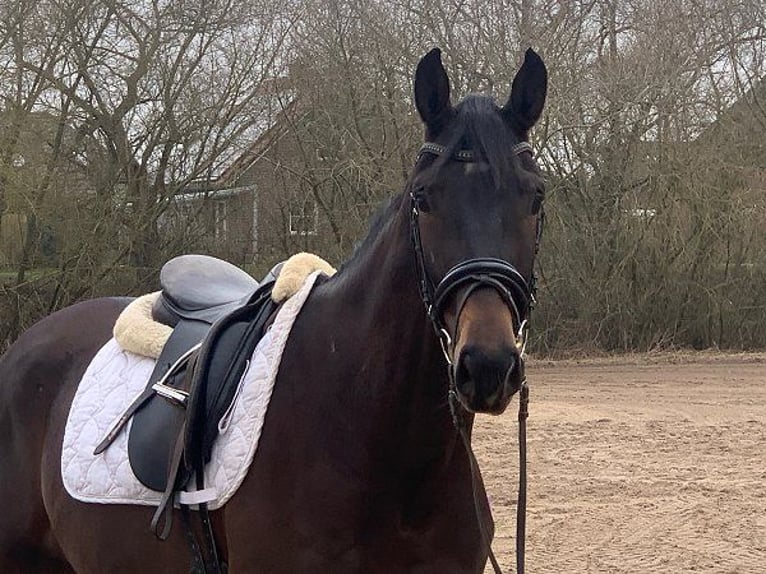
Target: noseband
495 273
517 294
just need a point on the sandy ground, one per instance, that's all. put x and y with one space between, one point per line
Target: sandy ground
644 464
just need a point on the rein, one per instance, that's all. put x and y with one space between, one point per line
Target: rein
520 298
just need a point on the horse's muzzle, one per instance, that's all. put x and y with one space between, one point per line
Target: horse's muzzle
485 380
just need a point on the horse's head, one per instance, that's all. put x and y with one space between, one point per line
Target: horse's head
476 201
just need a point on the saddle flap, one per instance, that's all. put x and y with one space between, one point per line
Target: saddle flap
221 364
209 389
155 425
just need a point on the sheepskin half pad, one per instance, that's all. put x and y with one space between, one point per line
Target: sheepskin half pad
136 331
116 377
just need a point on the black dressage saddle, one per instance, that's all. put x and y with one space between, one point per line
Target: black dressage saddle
218 314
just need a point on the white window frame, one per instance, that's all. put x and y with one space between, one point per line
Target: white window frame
308 210
220 219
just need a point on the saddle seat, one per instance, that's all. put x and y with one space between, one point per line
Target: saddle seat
201 288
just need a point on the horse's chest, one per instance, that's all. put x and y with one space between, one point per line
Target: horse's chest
389 543
374 542
409 552
431 550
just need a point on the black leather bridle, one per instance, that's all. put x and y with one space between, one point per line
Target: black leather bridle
492 272
516 293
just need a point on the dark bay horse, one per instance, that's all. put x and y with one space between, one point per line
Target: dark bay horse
359 467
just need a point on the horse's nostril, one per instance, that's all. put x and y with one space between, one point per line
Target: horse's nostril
483 378
464 377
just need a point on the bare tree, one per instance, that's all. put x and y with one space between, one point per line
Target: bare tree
652 139
627 142
152 96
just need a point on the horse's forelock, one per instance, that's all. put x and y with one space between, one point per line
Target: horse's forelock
479 126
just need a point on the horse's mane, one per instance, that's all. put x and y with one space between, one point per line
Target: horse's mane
378 222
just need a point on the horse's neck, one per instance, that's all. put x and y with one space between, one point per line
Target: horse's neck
394 351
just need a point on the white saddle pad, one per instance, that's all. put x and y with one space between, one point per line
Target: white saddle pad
116 377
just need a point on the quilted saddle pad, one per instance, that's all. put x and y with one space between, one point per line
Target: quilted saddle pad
116 377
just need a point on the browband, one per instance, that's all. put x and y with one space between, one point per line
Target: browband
467 154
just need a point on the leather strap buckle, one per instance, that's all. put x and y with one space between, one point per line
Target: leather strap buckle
175 396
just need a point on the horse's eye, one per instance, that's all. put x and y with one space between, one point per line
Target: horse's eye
420 197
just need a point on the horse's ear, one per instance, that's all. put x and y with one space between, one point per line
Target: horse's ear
525 105
432 91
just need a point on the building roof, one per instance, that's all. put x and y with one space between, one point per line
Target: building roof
276 103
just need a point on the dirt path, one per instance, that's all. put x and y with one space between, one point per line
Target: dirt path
636 467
